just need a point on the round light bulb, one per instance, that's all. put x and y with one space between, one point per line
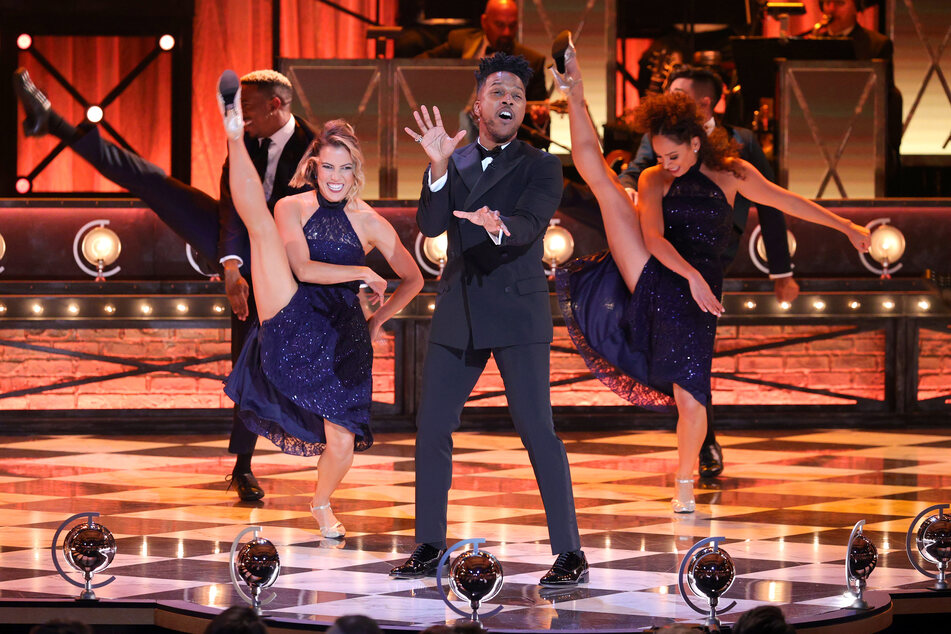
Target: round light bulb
750 304
436 249
886 244
24 41
94 114
23 185
558 245
166 42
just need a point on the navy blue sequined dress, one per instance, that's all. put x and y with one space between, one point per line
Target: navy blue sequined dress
640 344
313 359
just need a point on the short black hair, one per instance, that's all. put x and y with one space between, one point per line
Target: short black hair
354 624
503 62
763 619
705 81
237 620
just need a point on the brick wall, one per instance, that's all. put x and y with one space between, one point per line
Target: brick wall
850 365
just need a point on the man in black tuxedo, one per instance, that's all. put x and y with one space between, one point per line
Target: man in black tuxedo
705 88
276 141
494 198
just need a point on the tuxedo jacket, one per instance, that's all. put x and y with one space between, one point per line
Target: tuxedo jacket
492 295
771 220
465 44
233 237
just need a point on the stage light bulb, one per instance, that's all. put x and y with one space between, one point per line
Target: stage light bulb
750 304
3 308
101 245
23 185
181 307
94 114
37 309
819 304
886 244
73 309
435 249
888 304
146 309
24 41
785 305
109 309
854 305
924 304
558 245
432 306
219 308
166 42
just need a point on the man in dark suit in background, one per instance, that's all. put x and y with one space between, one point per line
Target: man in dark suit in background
276 141
705 88
494 198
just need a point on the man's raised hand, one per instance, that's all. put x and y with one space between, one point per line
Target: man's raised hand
438 145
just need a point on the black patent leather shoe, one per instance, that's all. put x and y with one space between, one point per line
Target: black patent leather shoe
35 103
711 460
568 570
422 563
246 486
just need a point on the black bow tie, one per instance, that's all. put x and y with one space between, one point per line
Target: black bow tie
484 153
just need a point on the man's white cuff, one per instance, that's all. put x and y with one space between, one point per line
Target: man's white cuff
435 187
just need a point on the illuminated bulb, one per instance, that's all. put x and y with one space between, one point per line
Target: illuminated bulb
432 307
23 185
182 308
3 308
24 41
219 308
750 304
109 308
854 305
73 309
924 304
94 114
146 309
785 305
819 304
37 309
166 42
888 304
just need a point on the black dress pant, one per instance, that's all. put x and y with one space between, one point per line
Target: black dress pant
449 375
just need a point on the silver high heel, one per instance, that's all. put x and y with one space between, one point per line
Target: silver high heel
563 51
330 532
684 502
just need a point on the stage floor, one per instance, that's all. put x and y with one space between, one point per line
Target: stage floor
786 504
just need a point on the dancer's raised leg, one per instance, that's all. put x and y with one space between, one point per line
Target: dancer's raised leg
271 275
621 225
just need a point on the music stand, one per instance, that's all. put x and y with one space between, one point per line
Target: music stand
756 66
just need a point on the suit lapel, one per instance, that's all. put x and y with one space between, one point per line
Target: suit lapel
468 165
498 169
473 44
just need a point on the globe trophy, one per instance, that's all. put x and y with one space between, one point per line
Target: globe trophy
934 543
710 573
257 563
89 548
475 575
859 564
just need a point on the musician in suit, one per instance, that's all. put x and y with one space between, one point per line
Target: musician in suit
494 198
211 226
705 88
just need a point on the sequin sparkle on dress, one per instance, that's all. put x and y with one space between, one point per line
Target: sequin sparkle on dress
640 344
312 360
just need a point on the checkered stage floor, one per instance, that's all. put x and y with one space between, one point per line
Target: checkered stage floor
786 504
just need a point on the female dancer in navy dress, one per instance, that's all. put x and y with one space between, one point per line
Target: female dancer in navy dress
303 379
644 316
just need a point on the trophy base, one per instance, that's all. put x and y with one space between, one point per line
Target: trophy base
87 595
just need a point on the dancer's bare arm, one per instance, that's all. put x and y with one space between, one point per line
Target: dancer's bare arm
650 189
755 187
383 236
288 213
